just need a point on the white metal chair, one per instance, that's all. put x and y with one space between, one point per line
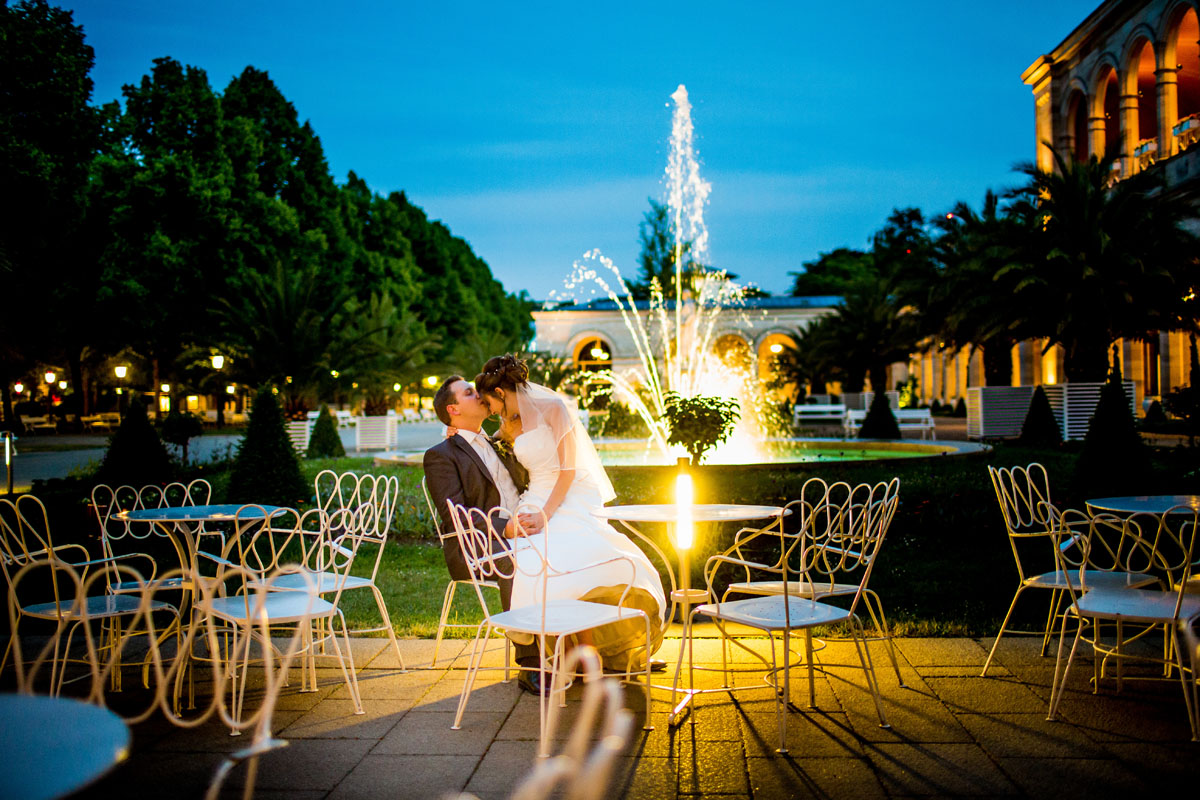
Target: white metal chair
582 770
1025 505
350 491
488 556
1138 546
449 538
288 544
123 538
815 493
1191 638
837 539
25 538
166 660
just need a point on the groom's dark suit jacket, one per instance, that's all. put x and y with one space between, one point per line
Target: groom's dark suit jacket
454 471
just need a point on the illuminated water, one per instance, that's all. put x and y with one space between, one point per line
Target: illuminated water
629 453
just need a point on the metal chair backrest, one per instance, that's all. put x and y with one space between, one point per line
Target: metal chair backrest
841 536
1024 497
351 491
437 519
25 536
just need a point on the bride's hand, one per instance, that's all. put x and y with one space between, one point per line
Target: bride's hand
532 523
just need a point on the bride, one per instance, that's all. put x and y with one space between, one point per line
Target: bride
567 481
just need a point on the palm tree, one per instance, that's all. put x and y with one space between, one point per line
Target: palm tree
1108 262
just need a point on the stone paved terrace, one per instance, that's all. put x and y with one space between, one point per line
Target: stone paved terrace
953 734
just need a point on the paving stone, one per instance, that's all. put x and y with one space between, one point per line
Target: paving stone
379 684
490 693
942 652
1163 766
212 736
335 719
311 763
986 694
493 655
809 734
956 770
397 777
913 715
646 779
1029 736
430 733
785 778
708 768
504 765
145 775
1068 778
417 653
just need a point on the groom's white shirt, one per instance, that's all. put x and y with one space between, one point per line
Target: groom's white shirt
509 496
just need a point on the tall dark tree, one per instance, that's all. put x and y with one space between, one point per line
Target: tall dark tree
48 135
831 273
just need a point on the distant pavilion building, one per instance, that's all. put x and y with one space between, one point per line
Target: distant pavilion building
595 334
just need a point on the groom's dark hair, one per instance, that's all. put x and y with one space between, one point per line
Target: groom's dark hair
444 397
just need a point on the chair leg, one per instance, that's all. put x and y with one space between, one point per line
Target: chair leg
781 708
1003 625
472 670
1056 597
387 625
447 601
812 678
350 677
1188 683
1056 688
880 623
864 658
647 726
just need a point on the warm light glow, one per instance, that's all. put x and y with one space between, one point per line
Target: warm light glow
684 496
50 376
334 372
121 371
218 361
164 403
193 402
18 387
120 390
431 380
598 353
395 387
231 389
1050 368
166 388
62 384
776 348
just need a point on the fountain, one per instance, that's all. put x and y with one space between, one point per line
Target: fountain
673 340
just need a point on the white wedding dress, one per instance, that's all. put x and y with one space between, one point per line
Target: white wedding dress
573 539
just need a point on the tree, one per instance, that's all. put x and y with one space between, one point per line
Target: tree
325 441
48 135
699 423
266 470
1114 459
1109 261
179 428
831 273
880 422
379 346
135 455
1040 428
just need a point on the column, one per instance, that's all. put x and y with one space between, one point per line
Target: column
1167 94
1096 136
1127 109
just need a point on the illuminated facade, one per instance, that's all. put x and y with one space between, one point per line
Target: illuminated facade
1125 83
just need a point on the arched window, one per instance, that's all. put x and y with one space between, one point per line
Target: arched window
1147 95
732 350
593 355
1187 64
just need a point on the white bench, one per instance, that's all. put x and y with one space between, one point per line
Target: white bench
908 419
827 412
39 424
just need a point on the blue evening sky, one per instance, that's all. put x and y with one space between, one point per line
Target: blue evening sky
536 131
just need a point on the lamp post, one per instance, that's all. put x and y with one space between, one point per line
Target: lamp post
218 361
121 371
166 389
50 379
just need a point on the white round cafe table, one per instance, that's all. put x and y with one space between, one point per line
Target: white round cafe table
1144 503
701 512
53 746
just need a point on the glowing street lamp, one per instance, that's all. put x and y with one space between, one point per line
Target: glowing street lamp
776 349
395 387
121 371
218 361
431 380
18 387
50 376
62 385
231 389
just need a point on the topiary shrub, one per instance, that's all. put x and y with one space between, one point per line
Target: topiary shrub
1114 460
135 454
1040 428
880 422
266 469
179 428
960 408
324 441
1156 418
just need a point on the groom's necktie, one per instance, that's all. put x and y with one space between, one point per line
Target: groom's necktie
500 477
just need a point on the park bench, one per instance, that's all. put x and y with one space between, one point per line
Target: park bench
908 419
818 412
44 424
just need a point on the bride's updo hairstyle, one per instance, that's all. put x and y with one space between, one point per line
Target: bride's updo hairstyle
505 372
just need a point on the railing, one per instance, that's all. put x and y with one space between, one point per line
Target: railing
1187 131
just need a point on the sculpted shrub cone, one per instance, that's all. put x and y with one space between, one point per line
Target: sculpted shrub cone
266 469
325 442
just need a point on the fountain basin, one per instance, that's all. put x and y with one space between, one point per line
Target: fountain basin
623 453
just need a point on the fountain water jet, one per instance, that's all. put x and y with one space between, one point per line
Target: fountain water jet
673 337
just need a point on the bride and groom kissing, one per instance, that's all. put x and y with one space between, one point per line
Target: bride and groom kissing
547 461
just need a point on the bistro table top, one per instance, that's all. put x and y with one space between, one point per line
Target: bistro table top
701 512
53 746
1144 504
226 512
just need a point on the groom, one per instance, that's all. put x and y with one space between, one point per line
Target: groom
467 470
